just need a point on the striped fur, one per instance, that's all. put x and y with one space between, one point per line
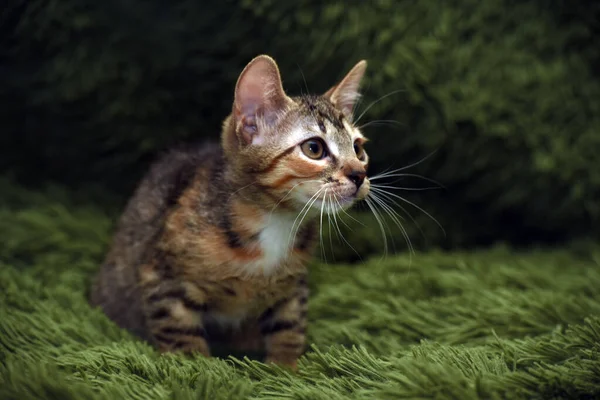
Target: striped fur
210 248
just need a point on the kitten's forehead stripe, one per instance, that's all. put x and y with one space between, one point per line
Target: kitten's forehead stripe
322 109
321 126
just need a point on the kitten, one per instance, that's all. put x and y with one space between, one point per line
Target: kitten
213 246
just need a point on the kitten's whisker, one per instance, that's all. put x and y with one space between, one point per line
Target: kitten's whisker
288 193
349 216
303 79
376 196
387 197
308 203
408 189
329 211
396 219
418 208
339 231
411 248
376 177
410 165
321 227
359 102
283 198
306 207
377 101
382 122
242 188
303 217
384 209
382 229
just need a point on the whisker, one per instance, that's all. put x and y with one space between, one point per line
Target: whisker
411 165
376 177
382 229
307 207
382 122
321 228
304 216
375 196
284 197
287 194
303 79
359 101
411 248
396 219
242 188
349 216
405 188
329 224
389 198
339 231
378 202
418 208
377 101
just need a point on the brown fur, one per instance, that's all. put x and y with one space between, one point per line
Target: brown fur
198 256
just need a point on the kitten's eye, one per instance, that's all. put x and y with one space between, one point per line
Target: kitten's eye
358 149
314 148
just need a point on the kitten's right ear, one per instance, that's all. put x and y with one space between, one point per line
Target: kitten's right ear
345 94
259 95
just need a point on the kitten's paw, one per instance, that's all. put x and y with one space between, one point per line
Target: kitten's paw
286 362
191 349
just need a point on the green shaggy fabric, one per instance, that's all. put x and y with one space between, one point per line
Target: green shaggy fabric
490 324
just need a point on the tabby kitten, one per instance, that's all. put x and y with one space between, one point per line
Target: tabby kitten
212 247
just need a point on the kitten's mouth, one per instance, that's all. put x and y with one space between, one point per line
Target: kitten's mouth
333 203
347 200
330 200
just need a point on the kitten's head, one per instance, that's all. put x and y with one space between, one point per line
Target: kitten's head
294 151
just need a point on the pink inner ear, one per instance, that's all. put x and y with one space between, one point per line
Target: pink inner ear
345 94
259 93
347 99
250 98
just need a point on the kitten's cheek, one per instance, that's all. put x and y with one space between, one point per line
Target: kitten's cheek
303 195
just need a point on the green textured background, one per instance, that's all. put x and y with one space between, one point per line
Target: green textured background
506 94
499 100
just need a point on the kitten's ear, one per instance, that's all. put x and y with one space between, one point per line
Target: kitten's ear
345 94
258 95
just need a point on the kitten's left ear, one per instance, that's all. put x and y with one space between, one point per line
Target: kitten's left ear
259 95
345 94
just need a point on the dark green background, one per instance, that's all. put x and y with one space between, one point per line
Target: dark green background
505 93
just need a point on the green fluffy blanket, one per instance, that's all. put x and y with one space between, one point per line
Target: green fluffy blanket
487 324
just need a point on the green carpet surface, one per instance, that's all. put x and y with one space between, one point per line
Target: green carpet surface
481 324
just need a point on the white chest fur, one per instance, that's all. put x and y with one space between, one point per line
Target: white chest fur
275 242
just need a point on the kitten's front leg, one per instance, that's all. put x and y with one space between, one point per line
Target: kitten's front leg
174 315
283 327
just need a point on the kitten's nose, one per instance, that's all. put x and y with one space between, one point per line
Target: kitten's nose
358 177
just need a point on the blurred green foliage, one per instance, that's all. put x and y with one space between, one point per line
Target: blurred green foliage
506 94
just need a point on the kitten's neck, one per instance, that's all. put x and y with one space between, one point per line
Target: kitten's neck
275 235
